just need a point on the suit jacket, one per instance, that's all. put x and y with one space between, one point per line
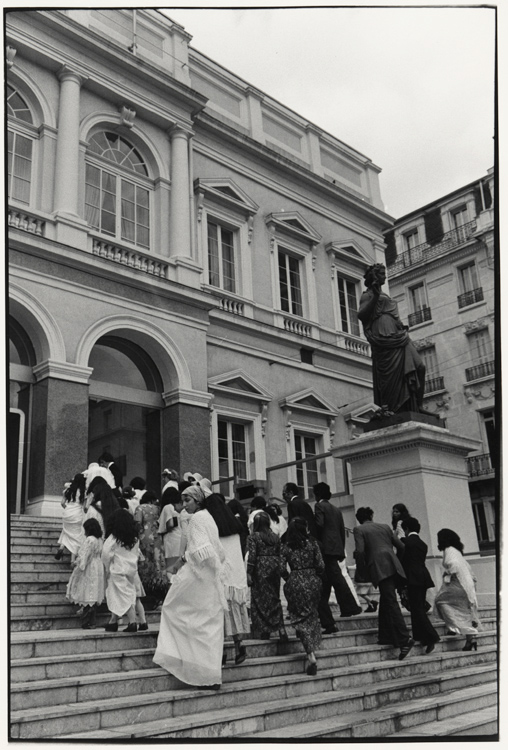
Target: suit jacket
117 475
413 562
330 528
374 544
301 508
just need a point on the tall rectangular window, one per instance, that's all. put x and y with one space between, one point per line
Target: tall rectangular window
411 239
418 296
459 217
348 306
19 167
232 452
289 284
221 257
480 346
430 361
468 278
307 473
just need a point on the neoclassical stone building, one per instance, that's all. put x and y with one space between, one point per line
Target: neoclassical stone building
185 259
441 266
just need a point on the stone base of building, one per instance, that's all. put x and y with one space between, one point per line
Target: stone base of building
45 505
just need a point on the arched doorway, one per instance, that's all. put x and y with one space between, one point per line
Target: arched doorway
22 359
125 407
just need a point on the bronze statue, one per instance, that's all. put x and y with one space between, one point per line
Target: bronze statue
398 372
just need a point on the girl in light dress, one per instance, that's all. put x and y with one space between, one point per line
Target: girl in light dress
170 529
120 556
72 536
86 584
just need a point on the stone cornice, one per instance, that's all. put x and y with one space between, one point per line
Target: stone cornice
62 371
190 398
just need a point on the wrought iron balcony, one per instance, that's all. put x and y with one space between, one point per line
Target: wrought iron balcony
420 316
424 252
479 466
480 371
434 384
469 298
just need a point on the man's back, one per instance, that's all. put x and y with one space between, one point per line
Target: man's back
331 530
375 542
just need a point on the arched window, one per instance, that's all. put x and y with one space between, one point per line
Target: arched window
117 190
20 147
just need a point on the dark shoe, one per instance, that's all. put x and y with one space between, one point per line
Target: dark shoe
224 658
131 628
208 687
332 629
471 644
111 627
372 607
59 554
143 626
451 632
241 655
430 648
88 627
404 651
311 669
358 611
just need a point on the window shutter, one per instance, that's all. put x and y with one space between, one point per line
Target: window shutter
433 226
390 252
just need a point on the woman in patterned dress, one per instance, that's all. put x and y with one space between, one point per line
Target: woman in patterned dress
263 577
303 586
152 564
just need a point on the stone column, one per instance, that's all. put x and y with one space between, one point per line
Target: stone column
179 232
67 147
186 439
58 435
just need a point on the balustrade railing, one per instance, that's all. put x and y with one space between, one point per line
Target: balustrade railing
469 298
434 384
356 346
131 258
420 316
26 222
295 326
479 465
425 251
232 306
480 371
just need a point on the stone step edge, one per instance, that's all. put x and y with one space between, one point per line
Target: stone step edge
253 661
192 721
448 727
440 677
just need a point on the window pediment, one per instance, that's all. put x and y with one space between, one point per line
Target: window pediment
308 400
349 252
238 383
226 193
290 222
362 414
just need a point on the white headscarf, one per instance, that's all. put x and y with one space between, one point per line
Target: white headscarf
94 470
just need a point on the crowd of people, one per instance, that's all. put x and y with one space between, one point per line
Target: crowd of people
216 571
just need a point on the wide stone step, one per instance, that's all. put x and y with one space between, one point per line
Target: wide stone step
38 597
389 719
56 584
285 717
62 622
38 547
40 555
129 679
47 565
20 536
483 722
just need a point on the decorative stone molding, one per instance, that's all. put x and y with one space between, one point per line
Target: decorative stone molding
264 419
62 371
425 343
191 398
331 428
288 423
66 73
477 393
127 116
476 325
250 228
10 54
238 384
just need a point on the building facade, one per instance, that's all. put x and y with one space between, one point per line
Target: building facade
441 267
185 260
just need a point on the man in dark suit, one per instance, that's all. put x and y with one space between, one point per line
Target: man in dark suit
332 541
297 507
418 581
106 460
374 548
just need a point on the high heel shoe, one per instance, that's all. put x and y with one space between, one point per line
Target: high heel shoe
111 627
131 628
471 644
59 554
311 668
372 607
241 655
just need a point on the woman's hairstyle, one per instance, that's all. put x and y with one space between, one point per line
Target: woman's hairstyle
92 527
194 491
291 487
404 514
128 491
148 497
106 457
104 495
364 514
322 491
124 528
448 538
171 496
258 503
411 524
297 533
238 510
183 485
261 525
271 512
76 490
222 515
371 273
138 483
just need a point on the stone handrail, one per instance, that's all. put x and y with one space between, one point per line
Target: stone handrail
354 345
295 326
26 221
131 258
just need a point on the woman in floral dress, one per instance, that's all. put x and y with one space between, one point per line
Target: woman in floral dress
303 586
152 569
263 577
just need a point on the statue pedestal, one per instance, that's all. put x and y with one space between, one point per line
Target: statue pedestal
424 467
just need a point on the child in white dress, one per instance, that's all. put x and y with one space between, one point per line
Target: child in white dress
120 557
86 584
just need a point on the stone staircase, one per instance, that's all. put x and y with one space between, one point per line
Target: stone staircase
71 684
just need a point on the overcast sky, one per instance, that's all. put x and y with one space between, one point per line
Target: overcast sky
411 88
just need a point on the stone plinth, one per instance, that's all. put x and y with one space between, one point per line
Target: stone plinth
422 466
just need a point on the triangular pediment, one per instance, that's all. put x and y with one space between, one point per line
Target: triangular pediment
225 190
308 400
293 223
239 383
349 252
362 414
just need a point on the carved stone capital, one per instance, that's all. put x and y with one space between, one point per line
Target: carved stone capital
127 116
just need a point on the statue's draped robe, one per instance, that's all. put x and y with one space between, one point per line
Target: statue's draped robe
398 373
